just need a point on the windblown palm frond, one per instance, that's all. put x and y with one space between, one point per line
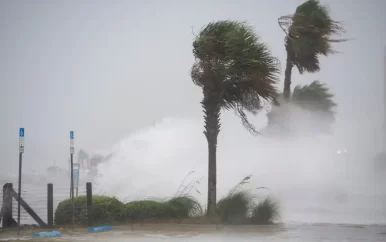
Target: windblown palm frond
315 96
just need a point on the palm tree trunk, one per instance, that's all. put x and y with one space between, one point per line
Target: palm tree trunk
287 77
211 106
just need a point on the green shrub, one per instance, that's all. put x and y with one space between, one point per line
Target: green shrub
265 212
107 210
184 207
104 210
146 209
63 213
175 208
235 207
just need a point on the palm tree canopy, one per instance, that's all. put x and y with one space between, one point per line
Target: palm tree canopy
310 33
315 97
233 64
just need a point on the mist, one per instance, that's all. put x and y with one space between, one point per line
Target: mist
317 178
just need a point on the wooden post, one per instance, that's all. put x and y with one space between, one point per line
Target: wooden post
50 204
6 210
89 202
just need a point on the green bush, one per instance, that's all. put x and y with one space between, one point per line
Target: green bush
265 212
175 208
146 209
63 213
235 207
104 210
184 207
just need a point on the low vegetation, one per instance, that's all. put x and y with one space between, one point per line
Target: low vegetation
234 208
180 207
239 206
104 210
266 211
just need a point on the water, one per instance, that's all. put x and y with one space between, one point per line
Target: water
319 190
313 182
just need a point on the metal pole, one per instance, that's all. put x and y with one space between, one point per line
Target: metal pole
384 96
72 190
69 174
19 192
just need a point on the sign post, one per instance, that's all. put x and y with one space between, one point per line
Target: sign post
21 151
76 177
72 175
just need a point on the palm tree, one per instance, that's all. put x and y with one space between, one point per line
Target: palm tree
316 98
309 34
82 155
235 71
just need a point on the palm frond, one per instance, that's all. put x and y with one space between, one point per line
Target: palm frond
315 96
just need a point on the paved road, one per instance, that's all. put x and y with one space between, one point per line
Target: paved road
200 233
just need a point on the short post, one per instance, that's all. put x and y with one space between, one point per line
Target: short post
8 220
50 205
89 202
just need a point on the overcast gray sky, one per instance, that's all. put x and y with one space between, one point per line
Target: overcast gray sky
106 68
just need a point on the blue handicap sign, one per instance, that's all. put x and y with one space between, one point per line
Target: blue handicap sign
71 134
21 132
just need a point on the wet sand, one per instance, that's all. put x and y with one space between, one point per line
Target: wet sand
213 233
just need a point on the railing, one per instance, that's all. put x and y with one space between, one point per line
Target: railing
38 205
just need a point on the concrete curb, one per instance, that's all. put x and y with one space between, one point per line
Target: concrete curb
46 234
100 229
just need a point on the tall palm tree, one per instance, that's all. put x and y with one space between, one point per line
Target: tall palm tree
309 33
235 71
